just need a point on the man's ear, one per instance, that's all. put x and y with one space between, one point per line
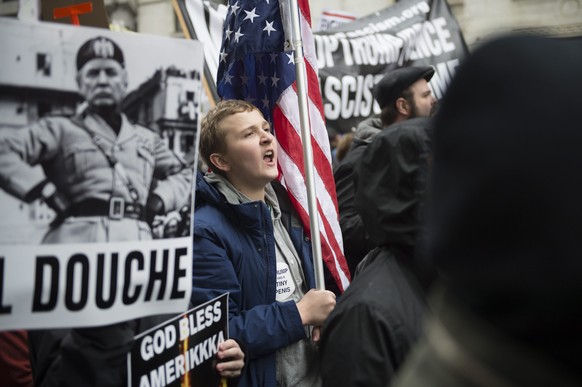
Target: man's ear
402 106
220 162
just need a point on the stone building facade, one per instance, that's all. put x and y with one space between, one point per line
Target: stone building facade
478 19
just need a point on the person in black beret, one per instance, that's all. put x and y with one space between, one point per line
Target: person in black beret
96 163
380 315
506 221
402 94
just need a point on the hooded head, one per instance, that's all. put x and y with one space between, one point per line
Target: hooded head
390 183
507 188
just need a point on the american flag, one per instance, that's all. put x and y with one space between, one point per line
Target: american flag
254 66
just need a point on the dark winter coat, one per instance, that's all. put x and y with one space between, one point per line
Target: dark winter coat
379 317
356 241
234 252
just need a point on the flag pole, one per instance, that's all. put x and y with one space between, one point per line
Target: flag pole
301 77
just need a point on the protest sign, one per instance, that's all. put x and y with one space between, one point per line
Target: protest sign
181 351
353 57
98 134
330 19
76 12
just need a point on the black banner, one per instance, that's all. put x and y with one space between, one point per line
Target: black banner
353 57
181 352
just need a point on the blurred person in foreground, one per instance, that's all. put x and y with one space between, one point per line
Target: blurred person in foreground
379 317
402 94
249 242
507 221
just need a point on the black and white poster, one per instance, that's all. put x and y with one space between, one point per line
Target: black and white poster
98 139
181 352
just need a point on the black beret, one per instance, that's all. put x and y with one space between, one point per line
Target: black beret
99 47
396 81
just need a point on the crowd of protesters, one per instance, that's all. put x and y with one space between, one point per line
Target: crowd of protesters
487 254
462 231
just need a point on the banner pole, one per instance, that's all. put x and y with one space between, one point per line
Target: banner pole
189 33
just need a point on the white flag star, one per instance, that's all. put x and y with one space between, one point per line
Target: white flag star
227 32
244 79
234 8
291 59
223 56
269 27
251 15
237 35
273 57
275 80
262 79
265 102
228 79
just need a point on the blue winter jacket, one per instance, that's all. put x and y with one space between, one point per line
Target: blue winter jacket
234 252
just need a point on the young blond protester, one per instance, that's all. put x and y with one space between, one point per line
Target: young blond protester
248 242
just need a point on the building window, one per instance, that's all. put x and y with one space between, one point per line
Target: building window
43 64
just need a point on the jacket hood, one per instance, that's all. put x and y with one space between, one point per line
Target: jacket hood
207 193
366 131
390 182
234 196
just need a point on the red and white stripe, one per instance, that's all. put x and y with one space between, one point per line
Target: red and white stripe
288 132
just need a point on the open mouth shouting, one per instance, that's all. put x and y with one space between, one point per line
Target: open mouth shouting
269 157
